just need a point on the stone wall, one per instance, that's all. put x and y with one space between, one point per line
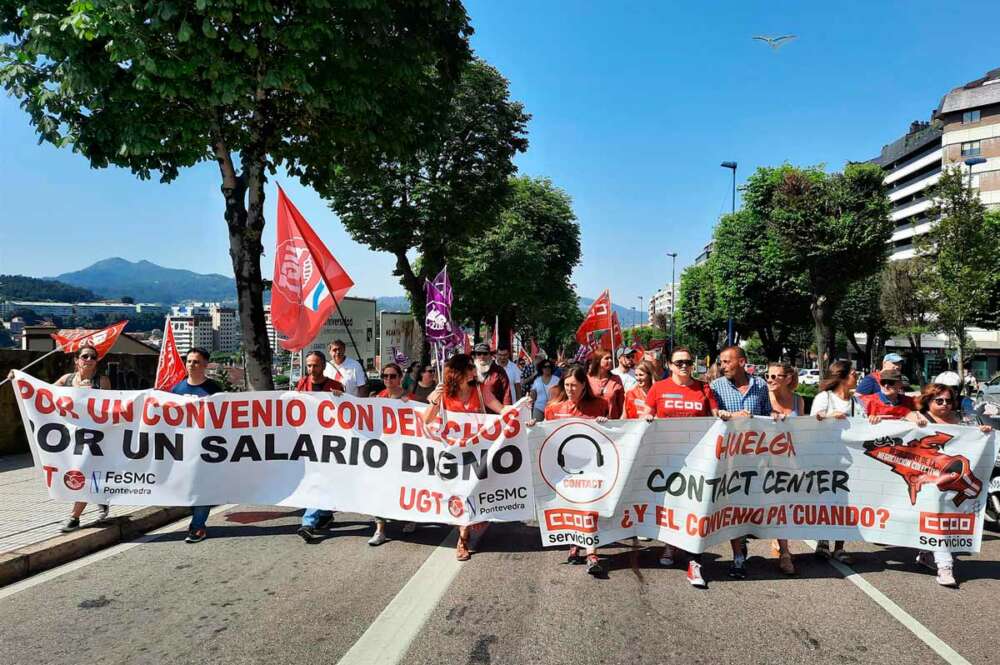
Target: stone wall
126 372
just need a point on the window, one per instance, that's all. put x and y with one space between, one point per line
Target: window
970 149
970 116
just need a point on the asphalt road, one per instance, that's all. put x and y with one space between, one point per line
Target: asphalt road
255 593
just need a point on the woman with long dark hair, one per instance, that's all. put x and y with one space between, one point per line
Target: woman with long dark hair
606 385
460 392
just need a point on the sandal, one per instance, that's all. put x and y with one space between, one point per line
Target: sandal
843 557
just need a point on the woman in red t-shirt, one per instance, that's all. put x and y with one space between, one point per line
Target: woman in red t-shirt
635 397
392 375
460 392
573 398
606 385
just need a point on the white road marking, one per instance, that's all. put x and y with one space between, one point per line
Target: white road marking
939 646
388 637
59 571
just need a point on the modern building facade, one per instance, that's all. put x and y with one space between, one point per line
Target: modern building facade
662 302
225 329
192 331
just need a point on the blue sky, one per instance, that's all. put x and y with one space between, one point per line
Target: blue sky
634 106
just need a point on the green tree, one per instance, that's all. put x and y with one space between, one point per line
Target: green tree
163 85
699 313
832 227
520 268
960 273
860 311
905 307
436 199
755 282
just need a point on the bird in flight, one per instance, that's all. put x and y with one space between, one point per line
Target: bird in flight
775 42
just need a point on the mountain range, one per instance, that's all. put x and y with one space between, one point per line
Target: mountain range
148 282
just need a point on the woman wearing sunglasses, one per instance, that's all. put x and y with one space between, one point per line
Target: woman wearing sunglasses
782 379
937 404
425 384
85 376
392 376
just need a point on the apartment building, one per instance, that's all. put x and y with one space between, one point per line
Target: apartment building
662 302
192 331
225 329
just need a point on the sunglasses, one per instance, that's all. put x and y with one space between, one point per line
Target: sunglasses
390 375
890 384
775 377
87 356
941 401
682 363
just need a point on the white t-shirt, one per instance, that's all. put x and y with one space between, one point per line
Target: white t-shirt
514 376
542 391
350 373
828 401
628 378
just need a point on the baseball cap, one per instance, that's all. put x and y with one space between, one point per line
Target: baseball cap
893 357
482 347
892 375
624 351
948 379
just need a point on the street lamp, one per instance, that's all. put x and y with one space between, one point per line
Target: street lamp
673 298
970 162
640 305
731 165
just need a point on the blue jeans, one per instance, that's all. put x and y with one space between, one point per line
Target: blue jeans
199 515
312 516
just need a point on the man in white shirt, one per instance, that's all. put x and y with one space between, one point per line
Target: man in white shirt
625 370
513 373
348 371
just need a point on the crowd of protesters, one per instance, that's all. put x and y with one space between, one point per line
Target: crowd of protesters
605 388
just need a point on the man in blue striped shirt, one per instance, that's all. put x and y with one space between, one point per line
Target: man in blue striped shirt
739 395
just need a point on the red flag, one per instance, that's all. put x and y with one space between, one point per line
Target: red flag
495 336
524 354
468 345
613 338
170 369
598 318
534 348
305 277
70 341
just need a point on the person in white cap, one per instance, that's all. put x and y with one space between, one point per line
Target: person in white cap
870 384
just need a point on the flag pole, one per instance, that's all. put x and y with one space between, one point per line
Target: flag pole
34 362
349 335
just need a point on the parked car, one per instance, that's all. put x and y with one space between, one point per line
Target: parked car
989 391
808 377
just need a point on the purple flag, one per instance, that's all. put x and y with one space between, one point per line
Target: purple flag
399 357
437 324
443 285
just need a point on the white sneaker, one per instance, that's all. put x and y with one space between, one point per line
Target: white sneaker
926 559
377 539
945 576
667 558
694 575
102 512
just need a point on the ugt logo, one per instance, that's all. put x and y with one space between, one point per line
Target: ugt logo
922 461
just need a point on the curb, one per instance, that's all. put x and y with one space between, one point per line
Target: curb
32 559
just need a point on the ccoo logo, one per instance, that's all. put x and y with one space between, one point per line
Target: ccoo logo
74 480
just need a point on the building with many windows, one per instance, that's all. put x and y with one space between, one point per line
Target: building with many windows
662 302
192 331
225 329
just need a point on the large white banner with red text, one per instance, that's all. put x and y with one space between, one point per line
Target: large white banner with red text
694 482
373 456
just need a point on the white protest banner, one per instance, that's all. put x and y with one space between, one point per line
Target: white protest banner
695 482
309 449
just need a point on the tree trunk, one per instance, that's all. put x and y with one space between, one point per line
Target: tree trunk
245 249
822 314
961 363
918 356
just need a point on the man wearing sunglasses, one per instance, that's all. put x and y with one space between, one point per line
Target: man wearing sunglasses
889 401
869 385
681 396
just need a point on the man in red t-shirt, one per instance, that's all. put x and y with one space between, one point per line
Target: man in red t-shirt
493 379
314 380
682 396
889 401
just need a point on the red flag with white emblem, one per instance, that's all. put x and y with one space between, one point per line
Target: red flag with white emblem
598 318
308 282
70 341
170 368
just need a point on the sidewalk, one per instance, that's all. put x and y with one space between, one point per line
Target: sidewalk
27 514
